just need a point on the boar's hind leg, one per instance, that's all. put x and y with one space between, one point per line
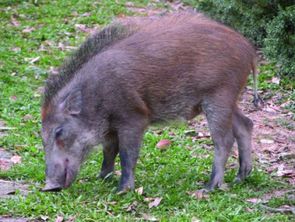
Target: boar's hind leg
130 137
219 119
110 151
242 128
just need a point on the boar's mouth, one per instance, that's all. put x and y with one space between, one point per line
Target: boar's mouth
65 182
49 189
69 177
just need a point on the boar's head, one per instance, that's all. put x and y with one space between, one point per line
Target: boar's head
67 138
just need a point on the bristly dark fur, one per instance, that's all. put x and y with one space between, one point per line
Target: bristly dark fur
91 47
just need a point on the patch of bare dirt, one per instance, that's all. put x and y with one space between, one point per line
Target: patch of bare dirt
10 188
11 219
273 136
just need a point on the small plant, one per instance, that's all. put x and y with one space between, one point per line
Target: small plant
280 41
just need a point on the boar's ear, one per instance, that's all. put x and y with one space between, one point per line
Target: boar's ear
73 103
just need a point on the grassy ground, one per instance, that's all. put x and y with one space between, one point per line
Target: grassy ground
35 37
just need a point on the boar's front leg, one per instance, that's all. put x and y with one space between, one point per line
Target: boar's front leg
110 151
130 137
220 124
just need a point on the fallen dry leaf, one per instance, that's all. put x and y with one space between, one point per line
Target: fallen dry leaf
132 207
155 202
68 47
74 13
139 190
14 22
53 71
235 153
129 4
286 173
195 220
267 197
275 80
270 110
287 156
27 117
266 141
255 200
112 202
249 209
281 209
16 49
199 194
149 217
71 219
61 46
203 135
59 219
86 14
40 91
178 6
33 60
14 98
28 29
224 187
44 218
83 28
117 172
16 159
163 144
275 194
190 132
148 199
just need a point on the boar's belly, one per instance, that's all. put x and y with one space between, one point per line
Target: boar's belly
175 111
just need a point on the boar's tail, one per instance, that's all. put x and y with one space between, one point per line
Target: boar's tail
257 101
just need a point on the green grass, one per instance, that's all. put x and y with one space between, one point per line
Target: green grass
170 174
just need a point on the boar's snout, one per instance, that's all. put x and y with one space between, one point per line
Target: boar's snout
59 176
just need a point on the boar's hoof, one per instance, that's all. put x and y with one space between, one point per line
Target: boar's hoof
243 173
240 178
214 183
105 175
124 190
258 102
237 180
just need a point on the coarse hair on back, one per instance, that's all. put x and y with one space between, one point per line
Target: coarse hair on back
91 47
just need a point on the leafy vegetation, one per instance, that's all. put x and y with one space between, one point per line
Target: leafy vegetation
35 38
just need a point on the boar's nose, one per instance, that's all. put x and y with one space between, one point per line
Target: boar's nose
68 175
58 176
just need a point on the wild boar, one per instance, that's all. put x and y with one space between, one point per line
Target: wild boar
131 75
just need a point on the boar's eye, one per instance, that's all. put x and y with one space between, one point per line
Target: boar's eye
58 133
